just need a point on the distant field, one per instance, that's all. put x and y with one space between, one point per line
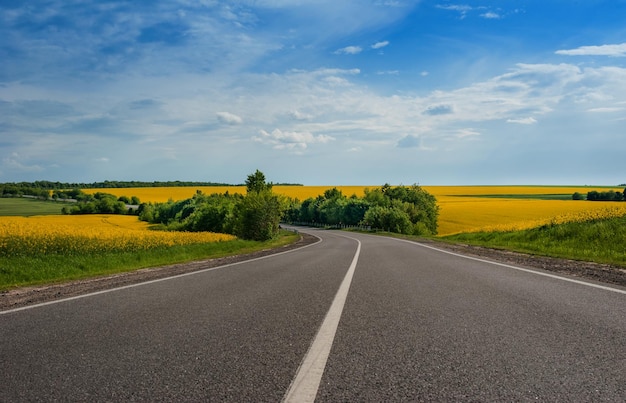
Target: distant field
19 206
463 208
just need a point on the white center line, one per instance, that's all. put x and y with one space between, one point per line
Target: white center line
304 386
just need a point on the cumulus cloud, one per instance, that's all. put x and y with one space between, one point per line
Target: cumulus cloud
379 45
523 121
349 50
602 50
291 140
229 118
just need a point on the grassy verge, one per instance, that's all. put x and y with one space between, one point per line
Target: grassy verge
20 206
601 241
36 270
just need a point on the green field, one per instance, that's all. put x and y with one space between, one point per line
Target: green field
21 206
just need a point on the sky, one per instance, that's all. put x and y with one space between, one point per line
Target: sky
318 92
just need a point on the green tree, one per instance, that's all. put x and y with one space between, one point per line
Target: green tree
256 182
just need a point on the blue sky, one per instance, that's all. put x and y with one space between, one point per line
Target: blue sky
319 92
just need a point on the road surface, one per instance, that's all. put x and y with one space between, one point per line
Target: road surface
353 317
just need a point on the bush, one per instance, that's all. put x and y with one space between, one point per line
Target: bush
257 216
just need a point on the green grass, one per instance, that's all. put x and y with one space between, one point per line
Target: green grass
21 206
36 270
601 241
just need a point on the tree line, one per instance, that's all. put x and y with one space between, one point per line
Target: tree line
36 186
98 203
83 203
257 214
594 195
402 209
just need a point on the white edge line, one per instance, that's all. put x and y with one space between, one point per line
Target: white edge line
91 294
304 386
602 287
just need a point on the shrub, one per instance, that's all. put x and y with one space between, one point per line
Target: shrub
257 216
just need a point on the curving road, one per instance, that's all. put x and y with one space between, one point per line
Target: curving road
352 318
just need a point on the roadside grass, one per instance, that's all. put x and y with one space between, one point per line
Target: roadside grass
55 268
599 240
26 207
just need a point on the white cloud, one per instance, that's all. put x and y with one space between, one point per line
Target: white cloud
602 50
461 9
14 163
463 133
229 118
523 121
456 7
606 110
349 50
379 45
297 115
491 15
336 81
291 140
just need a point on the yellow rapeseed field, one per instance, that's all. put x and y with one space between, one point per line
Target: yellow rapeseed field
461 207
87 234
462 210
163 194
483 214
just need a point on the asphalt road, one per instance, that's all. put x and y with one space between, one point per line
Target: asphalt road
411 324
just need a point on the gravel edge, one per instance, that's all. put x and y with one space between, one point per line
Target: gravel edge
603 273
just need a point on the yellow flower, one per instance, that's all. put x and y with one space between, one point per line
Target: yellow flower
85 234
